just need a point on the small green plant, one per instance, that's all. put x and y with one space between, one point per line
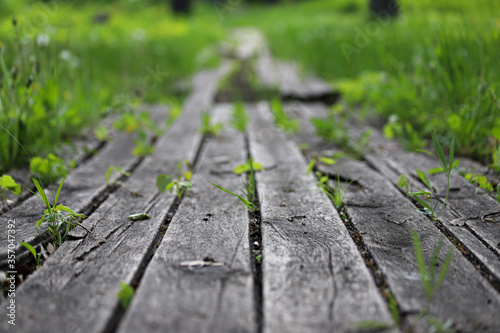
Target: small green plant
239 117
101 133
57 220
246 167
181 183
117 170
207 127
167 182
336 195
430 206
249 197
328 160
333 128
125 295
403 182
360 146
431 279
374 324
174 113
140 123
480 180
142 145
131 122
281 119
33 252
395 128
423 177
7 183
49 169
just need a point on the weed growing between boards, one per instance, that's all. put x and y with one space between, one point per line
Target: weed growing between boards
181 183
431 278
8 184
425 198
240 117
57 220
281 119
208 127
249 197
334 129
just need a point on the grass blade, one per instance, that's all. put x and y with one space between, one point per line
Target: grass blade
444 269
59 191
435 256
42 193
30 248
439 150
421 264
452 151
245 201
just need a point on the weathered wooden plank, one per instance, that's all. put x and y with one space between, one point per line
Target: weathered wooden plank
249 42
83 187
382 214
464 199
381 158
266 70
314 278
385 218
209 225
77 287
285 76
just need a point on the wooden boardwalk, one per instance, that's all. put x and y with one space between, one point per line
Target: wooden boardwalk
203 263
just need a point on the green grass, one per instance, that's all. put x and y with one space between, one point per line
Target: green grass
60 72
433 68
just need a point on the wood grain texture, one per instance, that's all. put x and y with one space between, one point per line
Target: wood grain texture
464 199
388 158
83 187
314 278
76 289
384 217
209 225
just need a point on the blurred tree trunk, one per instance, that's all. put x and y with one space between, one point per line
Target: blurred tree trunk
384 7
181 6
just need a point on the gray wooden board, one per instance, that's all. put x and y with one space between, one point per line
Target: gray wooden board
463 198
83 187
76 289
293 86
314 279
208 224
388 158
385 218
285 76
266 70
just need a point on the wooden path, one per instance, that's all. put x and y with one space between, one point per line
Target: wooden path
204 263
